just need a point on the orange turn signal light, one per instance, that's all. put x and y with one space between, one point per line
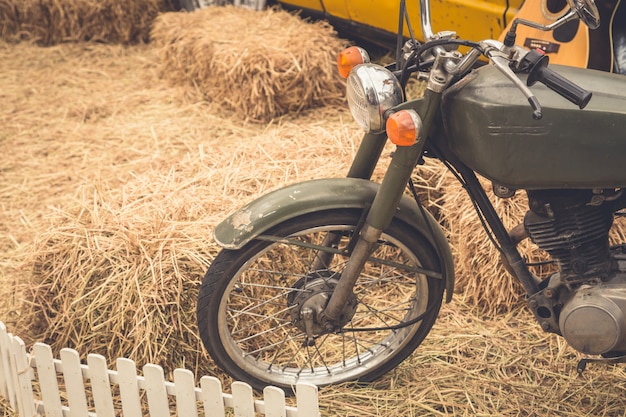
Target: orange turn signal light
403 127
350 58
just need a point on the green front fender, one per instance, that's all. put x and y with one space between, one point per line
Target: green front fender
324 194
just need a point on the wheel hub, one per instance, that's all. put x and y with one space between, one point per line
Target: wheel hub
309 298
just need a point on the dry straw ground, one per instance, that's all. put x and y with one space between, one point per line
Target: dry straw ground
112 181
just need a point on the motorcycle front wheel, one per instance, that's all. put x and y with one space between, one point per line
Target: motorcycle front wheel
250 301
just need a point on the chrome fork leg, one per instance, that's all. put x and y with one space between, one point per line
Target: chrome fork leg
343 290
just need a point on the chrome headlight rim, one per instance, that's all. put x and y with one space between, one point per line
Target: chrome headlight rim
371 91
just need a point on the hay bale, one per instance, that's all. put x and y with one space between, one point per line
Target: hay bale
428 179
118 273
49 22
617 234
238 58
8 19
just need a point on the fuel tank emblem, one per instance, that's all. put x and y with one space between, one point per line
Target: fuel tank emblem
517 130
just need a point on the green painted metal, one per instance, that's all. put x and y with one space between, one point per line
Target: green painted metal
402 164
489 127
324 194
367 156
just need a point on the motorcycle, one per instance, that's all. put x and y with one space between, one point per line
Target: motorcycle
340 279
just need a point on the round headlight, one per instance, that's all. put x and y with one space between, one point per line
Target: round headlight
372 90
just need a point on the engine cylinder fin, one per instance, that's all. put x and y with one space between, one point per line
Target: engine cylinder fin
577 237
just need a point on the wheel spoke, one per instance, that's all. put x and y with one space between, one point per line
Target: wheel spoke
408 268
321 358
264 319
263 333
381 317
262 302
270 347
259 322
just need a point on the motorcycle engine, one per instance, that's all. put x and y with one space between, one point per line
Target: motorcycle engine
586 301
592 321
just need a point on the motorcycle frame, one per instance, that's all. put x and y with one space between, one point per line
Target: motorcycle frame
505 242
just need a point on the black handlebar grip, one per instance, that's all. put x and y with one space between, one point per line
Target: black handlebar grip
556 82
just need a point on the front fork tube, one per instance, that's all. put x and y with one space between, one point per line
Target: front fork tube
367 156
378 219
363 166
382 211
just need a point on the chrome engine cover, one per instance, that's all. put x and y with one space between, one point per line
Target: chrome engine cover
592 321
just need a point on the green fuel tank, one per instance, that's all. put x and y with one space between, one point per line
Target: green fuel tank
488 125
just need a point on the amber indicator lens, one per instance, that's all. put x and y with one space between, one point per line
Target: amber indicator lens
350 58
403 128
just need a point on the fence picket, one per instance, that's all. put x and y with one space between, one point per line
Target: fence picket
156 391
242 399
212 399
74 383
48 382
100 385
274 399
185 392
307 400
4 365
129 387
23 386
17 369
9 384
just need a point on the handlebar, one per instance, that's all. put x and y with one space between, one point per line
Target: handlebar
537 66
508 60
535 62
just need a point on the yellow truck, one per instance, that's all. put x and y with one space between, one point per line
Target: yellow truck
377 20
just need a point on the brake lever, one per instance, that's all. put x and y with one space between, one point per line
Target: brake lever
500 56
503 65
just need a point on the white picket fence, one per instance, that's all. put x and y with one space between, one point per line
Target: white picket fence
93 390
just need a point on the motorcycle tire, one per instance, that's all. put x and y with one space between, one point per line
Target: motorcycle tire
247 302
